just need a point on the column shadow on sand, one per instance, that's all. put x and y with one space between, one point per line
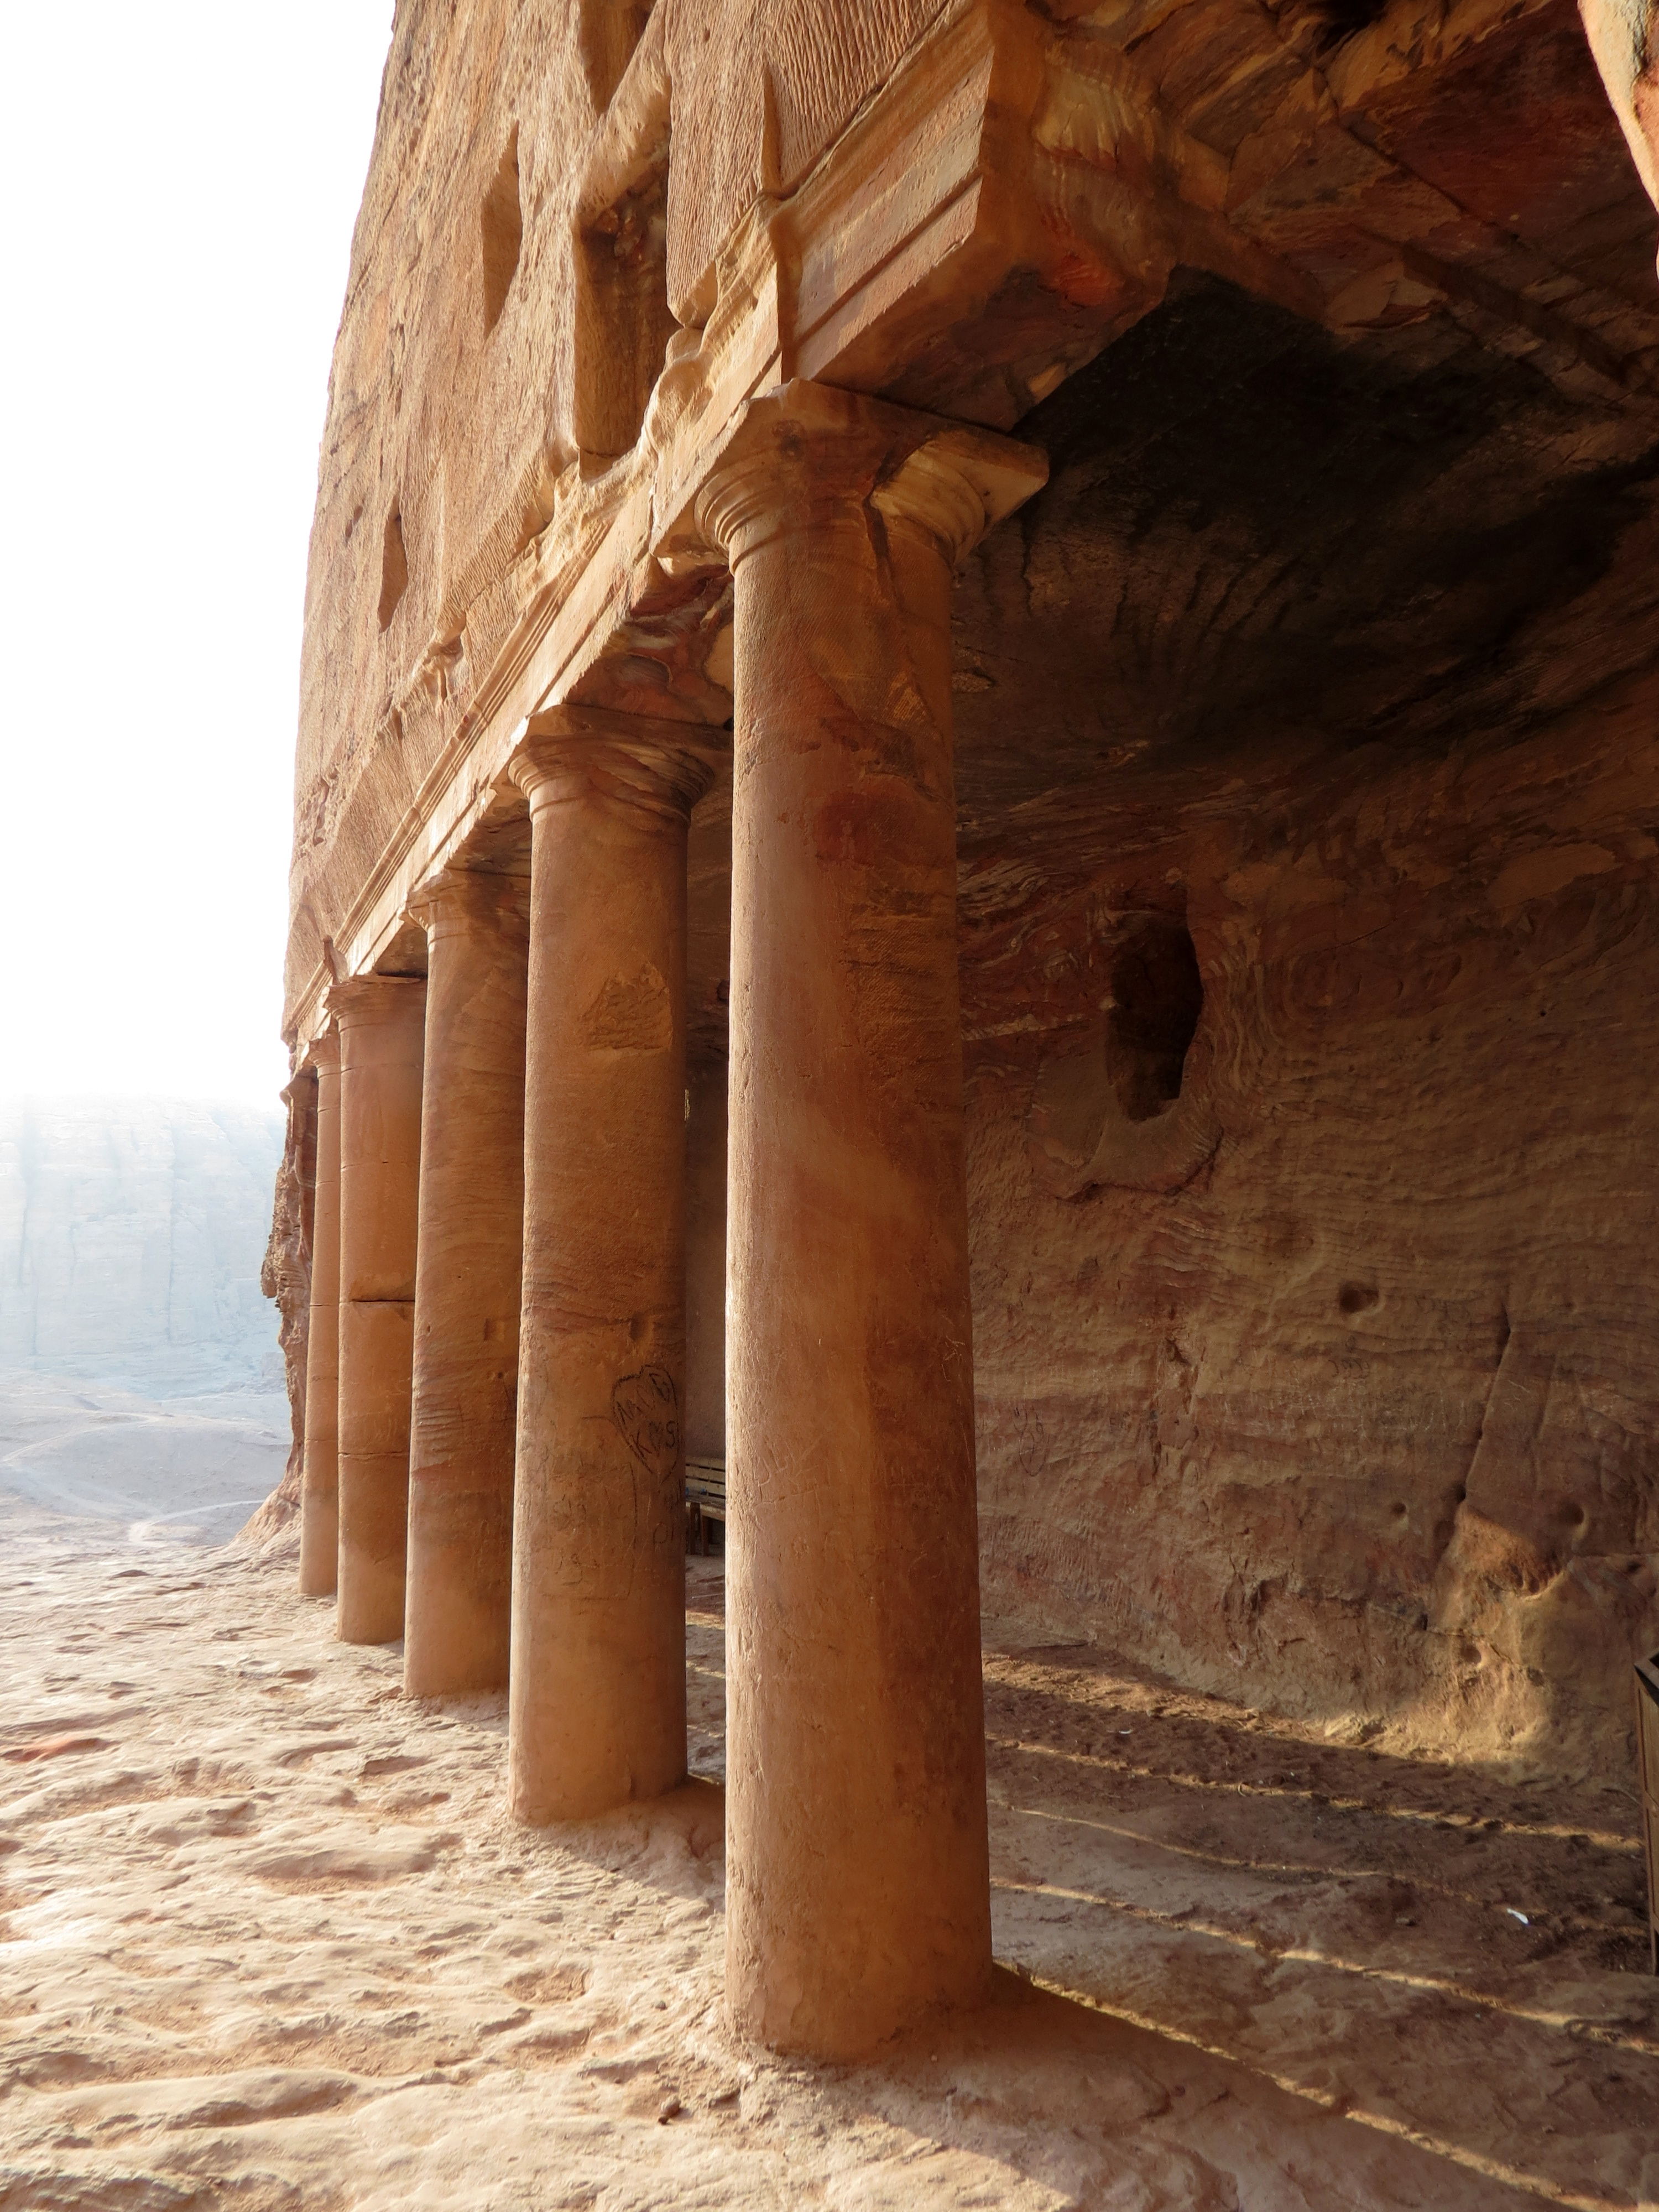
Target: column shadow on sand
1235 1959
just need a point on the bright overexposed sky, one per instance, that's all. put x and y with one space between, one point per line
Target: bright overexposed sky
178 183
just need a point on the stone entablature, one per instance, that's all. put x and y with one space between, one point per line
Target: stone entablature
1016 192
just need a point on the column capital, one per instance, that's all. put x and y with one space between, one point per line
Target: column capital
663 766
801 450
462 895
321 1052
358 1001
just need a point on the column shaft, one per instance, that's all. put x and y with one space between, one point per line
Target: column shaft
381 1019
320 1506
705 1262
467 1288
857 1888
598 1689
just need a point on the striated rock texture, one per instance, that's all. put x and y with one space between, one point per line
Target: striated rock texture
428 547
1308 939
1624 36
1305 765
1368 167
130 1235
285 1278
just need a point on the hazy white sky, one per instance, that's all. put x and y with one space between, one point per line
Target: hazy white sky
178 182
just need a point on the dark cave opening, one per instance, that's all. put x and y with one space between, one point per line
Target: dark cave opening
1157 997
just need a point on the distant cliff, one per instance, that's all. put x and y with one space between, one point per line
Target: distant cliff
131 1232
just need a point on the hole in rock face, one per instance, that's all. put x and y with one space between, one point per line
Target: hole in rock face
1343 19
607 31
624 323
1358 1298
394 567
1157 997
502 226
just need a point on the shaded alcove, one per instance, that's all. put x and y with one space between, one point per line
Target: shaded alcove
1345 649
500 226
394 567
1157 997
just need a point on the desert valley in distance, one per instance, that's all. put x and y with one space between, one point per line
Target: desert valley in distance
141 1383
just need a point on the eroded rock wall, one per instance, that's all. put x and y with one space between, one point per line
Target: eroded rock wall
1306 786
1344 1402
285 1278
1313 1334
457 313
1624 37
1315 1309
758 93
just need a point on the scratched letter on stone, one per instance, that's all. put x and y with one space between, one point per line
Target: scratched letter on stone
646 1408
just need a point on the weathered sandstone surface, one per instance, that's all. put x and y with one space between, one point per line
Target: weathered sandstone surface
1327 1381
1205 453
1624 36
271 1938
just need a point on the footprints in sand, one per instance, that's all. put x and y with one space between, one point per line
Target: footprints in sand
52 1746
392 1762
296 1754
547 1985
278 1944
320 1864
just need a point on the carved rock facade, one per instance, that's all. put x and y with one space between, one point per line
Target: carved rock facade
1279 385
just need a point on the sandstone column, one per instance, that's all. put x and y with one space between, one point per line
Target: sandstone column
857 1888
706 1147
319 1508
466 1287
380 1021
598 1689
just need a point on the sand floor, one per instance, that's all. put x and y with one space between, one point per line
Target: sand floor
268 1939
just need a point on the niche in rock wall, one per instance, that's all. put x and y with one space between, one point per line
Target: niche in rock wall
501 225
1338 20
1127 1103
607 31
622 320
1157 997
394 567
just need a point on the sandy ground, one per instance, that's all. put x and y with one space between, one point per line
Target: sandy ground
269 1939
